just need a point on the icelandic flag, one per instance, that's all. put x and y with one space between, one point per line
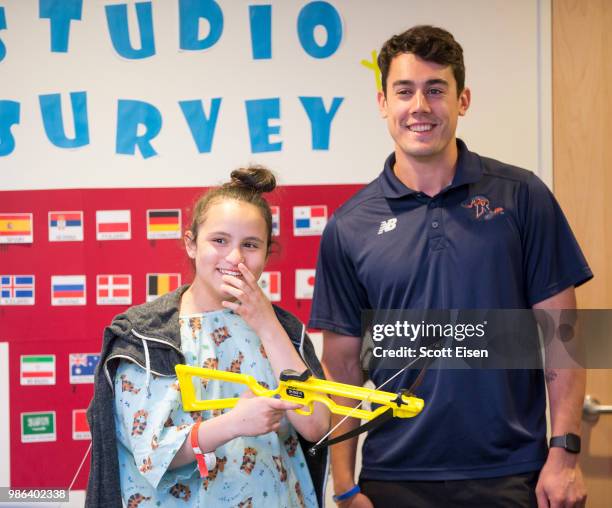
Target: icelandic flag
82 367
16 289
309 220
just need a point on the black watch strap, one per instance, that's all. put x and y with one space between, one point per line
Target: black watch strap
570 442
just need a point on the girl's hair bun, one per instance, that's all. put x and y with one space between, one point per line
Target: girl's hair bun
257 178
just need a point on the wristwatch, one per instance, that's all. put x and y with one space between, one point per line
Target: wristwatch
569 441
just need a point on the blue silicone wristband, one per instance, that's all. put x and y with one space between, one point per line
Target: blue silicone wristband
347 494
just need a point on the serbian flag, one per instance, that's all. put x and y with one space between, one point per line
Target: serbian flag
304 283
270 283
113 225
163 224
66 226
309 220
114 290
68 290
16 228
161 283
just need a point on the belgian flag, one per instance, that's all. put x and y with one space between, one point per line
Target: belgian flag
161 283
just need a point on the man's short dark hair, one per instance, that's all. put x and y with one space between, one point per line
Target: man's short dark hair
428 42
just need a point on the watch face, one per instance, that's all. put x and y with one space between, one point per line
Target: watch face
572 443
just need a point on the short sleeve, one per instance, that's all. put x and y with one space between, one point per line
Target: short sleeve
338 295
145 423
552 258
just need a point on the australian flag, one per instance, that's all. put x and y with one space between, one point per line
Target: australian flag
82 367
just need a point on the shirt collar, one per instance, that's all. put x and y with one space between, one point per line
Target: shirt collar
469 170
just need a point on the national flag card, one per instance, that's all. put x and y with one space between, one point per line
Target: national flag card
16 289
80 426
163 224
161 283
304 283
38 427
16 228
114 289
113 225
66 226
82 367
37 370
68 290
309 220
270 283
275 220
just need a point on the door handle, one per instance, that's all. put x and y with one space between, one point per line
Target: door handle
591 409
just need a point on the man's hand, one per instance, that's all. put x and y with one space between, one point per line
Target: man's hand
561 484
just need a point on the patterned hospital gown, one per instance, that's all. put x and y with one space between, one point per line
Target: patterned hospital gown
263 471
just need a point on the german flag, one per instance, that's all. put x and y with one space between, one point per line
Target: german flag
161 283
163 224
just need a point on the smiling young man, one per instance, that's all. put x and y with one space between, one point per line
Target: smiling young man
448 229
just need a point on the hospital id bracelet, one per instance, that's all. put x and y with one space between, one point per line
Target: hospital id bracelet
206 461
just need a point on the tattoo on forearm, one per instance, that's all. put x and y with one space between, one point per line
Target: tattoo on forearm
550 375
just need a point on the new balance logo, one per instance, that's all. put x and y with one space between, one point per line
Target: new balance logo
387 225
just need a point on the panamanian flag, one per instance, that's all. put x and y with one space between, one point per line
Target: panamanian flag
66 226
82 367
16 289
309 220
68 290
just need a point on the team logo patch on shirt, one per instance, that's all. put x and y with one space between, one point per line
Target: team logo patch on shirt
482 207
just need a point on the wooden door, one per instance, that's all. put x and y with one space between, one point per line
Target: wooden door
582 158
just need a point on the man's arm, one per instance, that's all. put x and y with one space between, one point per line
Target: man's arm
341 363
560 483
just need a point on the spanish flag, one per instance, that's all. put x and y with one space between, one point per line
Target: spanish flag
15 226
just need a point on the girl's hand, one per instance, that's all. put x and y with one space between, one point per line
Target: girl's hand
253 416
252 304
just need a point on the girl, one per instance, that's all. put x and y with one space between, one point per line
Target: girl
143 451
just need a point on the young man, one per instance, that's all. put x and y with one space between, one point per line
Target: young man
446 228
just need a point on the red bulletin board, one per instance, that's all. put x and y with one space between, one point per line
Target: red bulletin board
43 329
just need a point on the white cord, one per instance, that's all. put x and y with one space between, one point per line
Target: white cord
361 403
77 473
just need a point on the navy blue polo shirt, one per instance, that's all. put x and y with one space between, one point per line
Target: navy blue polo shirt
495 238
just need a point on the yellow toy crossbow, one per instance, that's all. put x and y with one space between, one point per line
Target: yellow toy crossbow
305 389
